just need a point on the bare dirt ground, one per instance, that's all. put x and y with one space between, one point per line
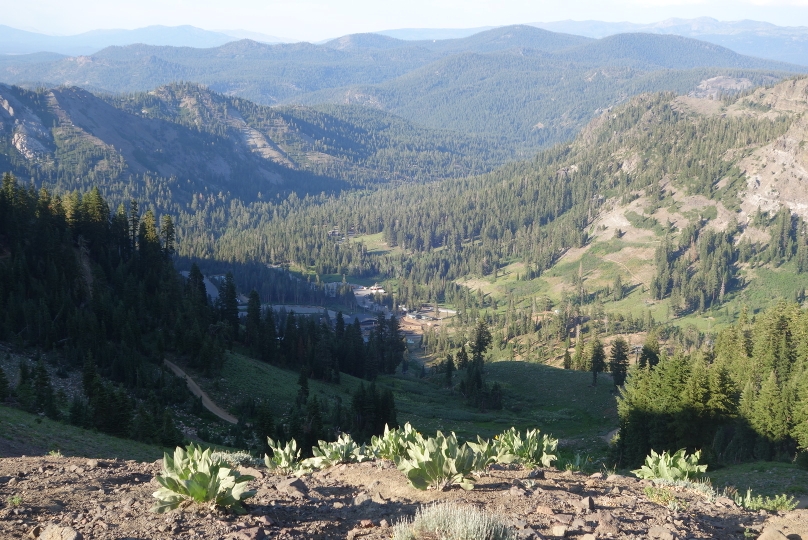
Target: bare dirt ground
54 497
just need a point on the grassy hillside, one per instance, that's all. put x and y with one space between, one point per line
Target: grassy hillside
535 396
22 433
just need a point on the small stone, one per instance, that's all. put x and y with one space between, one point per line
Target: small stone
545 510
54 532
661 533
294 487
588 537
366 524
92 463
384 524
529 533
597 475
577 523
251 533
361 499
517 491
587 503
772 533
266 521
559 531
615 478
725 501
565 519
615 490
538 474
35 532
337 505
251 471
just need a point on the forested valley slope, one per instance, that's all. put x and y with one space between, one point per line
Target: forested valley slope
662 249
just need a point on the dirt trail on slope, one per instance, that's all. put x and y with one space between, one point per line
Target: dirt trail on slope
198 392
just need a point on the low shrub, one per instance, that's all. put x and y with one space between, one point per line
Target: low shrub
453 522
758 502
234 458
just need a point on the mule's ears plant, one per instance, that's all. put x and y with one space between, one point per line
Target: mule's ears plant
534 450
285 459
485 453
438 462
671 467
191 476
328 454
393 443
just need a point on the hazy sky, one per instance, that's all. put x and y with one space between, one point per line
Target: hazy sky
320 19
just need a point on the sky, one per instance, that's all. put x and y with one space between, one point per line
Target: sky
314 20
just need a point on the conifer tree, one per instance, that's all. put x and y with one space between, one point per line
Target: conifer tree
4 386
597 360
168 235
230 304
799 430
462 357
450 367
618 360
578 356
770 413
649 356
253 323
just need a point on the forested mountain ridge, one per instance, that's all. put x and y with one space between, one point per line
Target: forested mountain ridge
212 143
529 85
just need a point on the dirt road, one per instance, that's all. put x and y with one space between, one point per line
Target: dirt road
198 392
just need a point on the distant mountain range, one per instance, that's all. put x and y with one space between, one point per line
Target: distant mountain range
529 86
754 38
14 41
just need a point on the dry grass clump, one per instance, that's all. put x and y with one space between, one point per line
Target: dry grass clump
450 521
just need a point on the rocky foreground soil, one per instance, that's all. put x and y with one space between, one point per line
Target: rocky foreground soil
69 498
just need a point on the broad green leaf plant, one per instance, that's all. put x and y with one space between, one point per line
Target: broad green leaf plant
191 476
532 450
671 467
438 463
328 454
285 459
393 443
